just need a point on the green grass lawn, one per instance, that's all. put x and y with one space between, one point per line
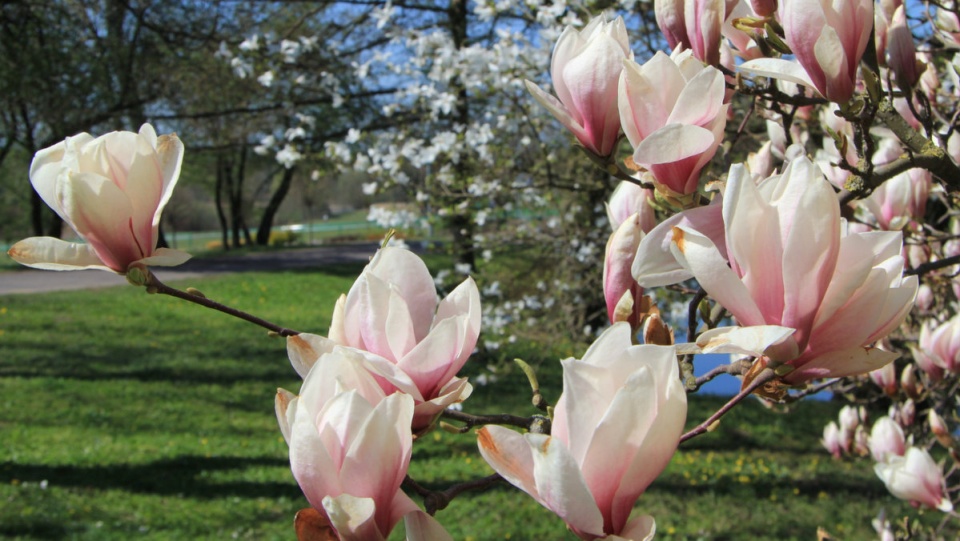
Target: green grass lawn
130 416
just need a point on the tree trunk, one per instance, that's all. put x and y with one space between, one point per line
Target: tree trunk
218 199
269 213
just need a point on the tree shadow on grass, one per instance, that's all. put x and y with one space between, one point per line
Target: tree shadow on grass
179 476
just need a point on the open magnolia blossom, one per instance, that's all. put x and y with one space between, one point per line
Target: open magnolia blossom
111 191
673 114
585 68
615 427
841 291
414 342
349 455
915 477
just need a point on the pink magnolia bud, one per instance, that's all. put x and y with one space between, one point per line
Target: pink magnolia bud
831 439
764 8
111 191
909 383
908 413
585 69
886 379
599 459
901 51
617 277
915 477
939 428
924 298
886 440
694 25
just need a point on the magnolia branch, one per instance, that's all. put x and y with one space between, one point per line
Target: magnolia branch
537 424
434 501
154 285
764 377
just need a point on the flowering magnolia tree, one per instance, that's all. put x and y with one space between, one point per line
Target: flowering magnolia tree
822 257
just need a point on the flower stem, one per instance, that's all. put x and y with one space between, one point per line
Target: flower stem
763 378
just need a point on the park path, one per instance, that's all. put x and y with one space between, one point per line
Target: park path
38 281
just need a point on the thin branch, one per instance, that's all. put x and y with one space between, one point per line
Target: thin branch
154 285
766 376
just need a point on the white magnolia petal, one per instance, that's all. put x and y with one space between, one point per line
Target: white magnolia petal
48 253
778 68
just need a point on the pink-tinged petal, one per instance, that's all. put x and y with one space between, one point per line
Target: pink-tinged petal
592 79
47 166
754 252
855 260
304 349
655 265
811 244
48 253
101 213
840 363
166 257
552 104
702 259
353 518
561 486
314 469
752 341
659 444
144 189
426 412
570 44
409 275
509 454
673 143
777 68
386 324
646 94
379 454
420 526
436 359
463 300
281 407
617 264
334 372
701 101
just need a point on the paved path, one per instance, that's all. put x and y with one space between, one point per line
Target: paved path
38 281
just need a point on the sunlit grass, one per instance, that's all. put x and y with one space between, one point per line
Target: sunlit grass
125 415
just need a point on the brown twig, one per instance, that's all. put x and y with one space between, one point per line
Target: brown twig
763 378
154 285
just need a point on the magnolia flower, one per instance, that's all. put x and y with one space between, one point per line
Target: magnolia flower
615 427
349 457
111 191
940 346
901 199
915 477
886 439
828 38
786 260
585 68
694 25
414 343
673 113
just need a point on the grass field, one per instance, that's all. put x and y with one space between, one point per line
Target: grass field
130 416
